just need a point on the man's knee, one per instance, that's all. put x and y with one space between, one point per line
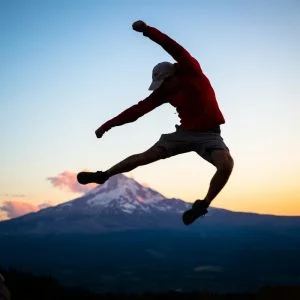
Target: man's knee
228 164
223 161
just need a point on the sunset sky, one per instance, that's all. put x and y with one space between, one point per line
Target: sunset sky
67 66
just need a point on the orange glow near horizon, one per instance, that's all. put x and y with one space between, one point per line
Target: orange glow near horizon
283 203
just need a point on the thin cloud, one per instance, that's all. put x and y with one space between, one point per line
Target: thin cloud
15 209
68 180
13 195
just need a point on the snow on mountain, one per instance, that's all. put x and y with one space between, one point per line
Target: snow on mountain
129 194
121 194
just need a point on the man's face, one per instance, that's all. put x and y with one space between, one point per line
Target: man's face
171 81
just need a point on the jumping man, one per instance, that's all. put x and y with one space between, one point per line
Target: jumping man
183 85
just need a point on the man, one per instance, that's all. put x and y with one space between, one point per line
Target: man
185 87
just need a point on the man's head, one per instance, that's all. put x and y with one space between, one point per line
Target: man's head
160 72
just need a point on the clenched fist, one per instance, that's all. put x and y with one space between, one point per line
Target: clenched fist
99 132
139 26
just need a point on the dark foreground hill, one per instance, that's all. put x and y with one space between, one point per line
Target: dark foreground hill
139 261
26 286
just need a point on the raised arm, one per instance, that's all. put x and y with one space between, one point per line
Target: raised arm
181 55
132 113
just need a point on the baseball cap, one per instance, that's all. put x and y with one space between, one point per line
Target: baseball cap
159 73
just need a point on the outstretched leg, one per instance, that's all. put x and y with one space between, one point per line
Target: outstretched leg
151 155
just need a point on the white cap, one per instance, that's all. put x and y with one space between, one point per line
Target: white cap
159 73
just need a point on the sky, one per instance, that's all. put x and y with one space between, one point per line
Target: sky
68 66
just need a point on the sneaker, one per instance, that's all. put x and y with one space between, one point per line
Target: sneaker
199 208
92 177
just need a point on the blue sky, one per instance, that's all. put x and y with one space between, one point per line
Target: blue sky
66 67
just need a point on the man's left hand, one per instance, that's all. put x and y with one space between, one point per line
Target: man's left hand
139 26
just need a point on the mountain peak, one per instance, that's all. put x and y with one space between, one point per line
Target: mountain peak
117 181
125 190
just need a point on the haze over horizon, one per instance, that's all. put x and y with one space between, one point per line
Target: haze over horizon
69 66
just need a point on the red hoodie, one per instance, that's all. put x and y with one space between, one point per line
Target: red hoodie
192 95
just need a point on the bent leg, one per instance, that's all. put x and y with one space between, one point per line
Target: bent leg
223 161
151 155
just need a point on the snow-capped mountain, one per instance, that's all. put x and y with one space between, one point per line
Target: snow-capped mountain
123 195
120 203
126 195
124 204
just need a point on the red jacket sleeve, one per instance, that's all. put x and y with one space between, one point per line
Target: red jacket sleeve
136 111
181 55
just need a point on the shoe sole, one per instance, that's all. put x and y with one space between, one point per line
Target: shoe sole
89 177
83 177
191 215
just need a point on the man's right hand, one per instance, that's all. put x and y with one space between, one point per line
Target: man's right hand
99 132
139 26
